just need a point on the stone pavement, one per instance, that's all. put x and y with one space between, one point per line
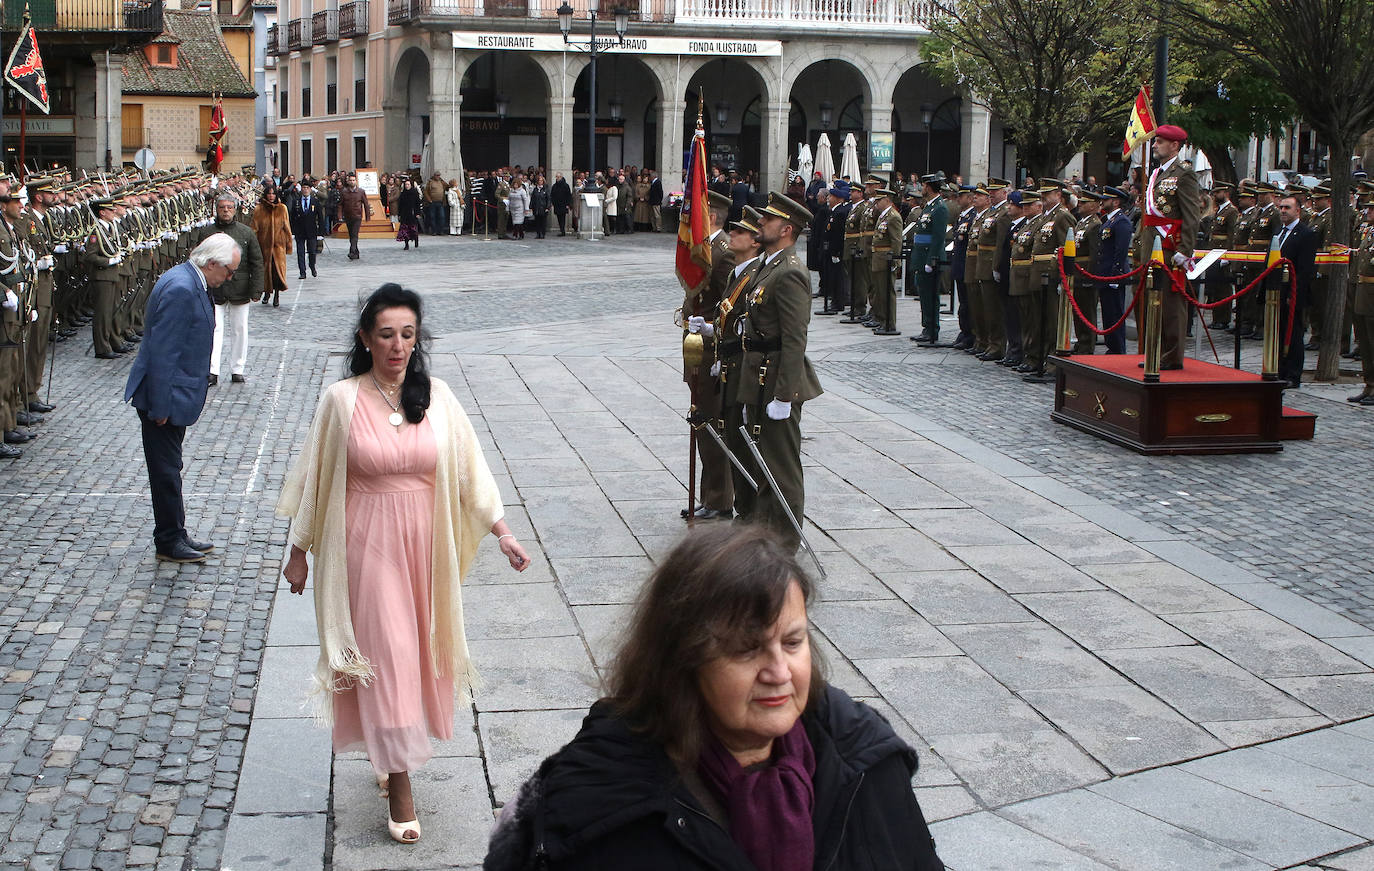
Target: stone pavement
1087 682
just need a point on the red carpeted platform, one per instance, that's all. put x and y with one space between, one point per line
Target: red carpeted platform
1202 408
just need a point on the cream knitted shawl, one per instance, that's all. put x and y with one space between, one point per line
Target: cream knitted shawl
466 504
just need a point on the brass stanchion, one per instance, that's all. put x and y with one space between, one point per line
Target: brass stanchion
1063 345
1270 368
1154 316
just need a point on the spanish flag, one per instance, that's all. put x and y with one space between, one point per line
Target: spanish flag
694 229
1142 125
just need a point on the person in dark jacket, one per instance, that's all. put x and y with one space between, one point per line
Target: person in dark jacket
837 282
720 746
308 224
408 214
540 197
1113 259
561 197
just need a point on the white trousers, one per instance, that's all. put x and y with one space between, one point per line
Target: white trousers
237 318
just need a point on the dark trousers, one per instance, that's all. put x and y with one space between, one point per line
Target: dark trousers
1011 318
162 451
961 293
563 225
103 323
1290 363
779 442
837 284
1112 298
353 225
928 285
305 253
434 216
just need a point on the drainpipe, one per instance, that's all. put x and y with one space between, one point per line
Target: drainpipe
109 119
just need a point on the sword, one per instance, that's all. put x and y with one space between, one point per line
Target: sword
777 493
729 454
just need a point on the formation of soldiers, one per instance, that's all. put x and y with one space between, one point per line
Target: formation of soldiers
78 252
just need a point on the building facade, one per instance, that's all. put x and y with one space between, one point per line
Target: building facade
477 84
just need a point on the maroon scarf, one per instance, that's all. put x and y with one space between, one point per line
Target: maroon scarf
769 806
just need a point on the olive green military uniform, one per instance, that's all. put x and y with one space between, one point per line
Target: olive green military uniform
103 259
1263 227
1221 233
928 249
715 490
12 323
1050 233
1087 239
1362 268
991 235
977 324
1022 244
33 228
1175 194
854 262
883 262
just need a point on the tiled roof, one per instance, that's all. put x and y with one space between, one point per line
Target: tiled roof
204 65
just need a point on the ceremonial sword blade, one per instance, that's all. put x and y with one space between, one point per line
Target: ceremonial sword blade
777 493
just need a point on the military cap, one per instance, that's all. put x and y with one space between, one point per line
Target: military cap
1016 198
1222 186
1366 187
1245 189
1321 190
840 189
934 179
967 188
1365 202
1051 186
912 192
996 184
981 189
714 200
1110 191
789 210
1295 188
874 178
855 189
1171 133
1086 194
35 184
748 221
1264 187
885 192
99 203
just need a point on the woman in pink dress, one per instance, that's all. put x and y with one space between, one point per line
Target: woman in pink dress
391 495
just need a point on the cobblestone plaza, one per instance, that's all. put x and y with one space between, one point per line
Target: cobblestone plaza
1105 661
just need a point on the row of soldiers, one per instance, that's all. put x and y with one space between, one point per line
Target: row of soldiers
77 252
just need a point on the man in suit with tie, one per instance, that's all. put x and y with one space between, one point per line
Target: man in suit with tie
1298 243
167 383
308 225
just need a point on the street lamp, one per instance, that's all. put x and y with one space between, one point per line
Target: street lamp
926 112
502 105
617 108
722 113
827 113
622 24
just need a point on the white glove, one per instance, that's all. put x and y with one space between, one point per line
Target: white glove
60 248
834 260
1183 262
33 315
715 369
11 301
319 238
996 276
114 261
696 324
928 269
778 410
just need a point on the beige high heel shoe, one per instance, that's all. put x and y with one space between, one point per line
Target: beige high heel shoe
399 830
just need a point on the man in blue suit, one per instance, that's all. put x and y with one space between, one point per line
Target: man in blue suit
1112 259
1298 243
170 378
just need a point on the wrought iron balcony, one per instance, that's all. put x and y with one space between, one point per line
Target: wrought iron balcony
293 35
325 26
56 16
353 19
273 41
836 14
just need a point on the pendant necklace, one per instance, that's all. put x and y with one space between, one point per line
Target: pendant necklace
395 418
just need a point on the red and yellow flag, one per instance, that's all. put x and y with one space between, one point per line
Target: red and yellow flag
1142 125
694 228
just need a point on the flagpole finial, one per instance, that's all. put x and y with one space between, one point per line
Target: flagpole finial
701 105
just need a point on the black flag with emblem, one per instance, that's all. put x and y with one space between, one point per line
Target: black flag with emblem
25 67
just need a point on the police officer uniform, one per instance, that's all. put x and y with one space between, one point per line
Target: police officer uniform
927 256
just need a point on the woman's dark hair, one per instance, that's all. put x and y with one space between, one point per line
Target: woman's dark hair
415 387
715 594
269 189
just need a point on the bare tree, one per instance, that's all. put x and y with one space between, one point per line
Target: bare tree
1060 73
1318 53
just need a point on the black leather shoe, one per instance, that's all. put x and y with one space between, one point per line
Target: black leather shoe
870 324
9 452
1292 384
181 552
1023 368
125 348
27 418
1361 396
851 320
1216 326
1350 355
17 437
202 546
826 312
990 355
1011 362
879 331
1368 400
38 407
237 379
212 380
131 339
1039 376
712 514
107 355
924 337
301 277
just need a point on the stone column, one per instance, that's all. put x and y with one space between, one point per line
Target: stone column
976 130
445 100
100 137
773 171
670 143
560 136
879 120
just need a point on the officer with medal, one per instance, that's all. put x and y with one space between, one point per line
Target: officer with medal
1087 239
1024 208
776 375
1043 310
1172 212
34 221
991 238
1243 273
1112 257
884 260
102 259
1221 234
743 242
837 276
927 256
856 269
957 239
1320 222
15 314
699 310
1263 228
1362 270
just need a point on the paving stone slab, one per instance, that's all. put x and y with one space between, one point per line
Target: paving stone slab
1243 733
1103 620
846 579
657 516
1359 728
659 485
1312 618
601 580
946 695
268 842
285 769
1353 860
1266 646
1204 685
956 597
1331 750
1024 568
987 842
1005 767
879 629
515 611
840 671
897 550
603 627
1163 588
945 802
959 527
1123 727
1340 697
574 522
1084 543
293 621
285 682
451 803
516 742
1031 655
914 453
534 674
1122 836
561 472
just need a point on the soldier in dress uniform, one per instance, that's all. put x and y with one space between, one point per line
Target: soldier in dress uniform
1221 233
33 222
884 261
15 313
1362 268
699 312
837 276
856 267
1320 222
1263 227
743 242
982 204
1242 273
777 376
867 221
1087 237
1024 208
1172 212
102 259
1055 223
992 235
957 238
928 255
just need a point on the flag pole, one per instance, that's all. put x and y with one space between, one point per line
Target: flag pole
23 128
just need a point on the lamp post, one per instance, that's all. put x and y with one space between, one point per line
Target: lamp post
926 113
622 23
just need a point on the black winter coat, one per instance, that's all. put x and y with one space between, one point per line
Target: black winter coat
611 799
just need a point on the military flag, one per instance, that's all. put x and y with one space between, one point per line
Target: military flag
218 127
25 68
1142 125
694 228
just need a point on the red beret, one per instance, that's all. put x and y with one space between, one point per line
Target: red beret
1171 133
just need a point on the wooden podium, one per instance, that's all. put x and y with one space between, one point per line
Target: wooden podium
1199 409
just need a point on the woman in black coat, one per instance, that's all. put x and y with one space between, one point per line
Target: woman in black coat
408 214
720 747
539 206
562 198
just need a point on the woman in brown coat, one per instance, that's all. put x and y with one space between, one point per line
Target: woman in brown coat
272 226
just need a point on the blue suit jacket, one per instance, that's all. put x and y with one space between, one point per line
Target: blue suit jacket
1116 245
169 377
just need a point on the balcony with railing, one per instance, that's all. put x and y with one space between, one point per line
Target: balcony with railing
325 26
134 138
269 126
405 11
756 16
293 35
273 40
353 19
55 16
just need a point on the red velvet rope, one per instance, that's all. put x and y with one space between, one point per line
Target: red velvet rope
1180 284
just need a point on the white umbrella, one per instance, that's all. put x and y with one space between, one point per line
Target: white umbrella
849 160
804 163
825 161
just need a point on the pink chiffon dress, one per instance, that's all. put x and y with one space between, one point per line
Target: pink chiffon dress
389 518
